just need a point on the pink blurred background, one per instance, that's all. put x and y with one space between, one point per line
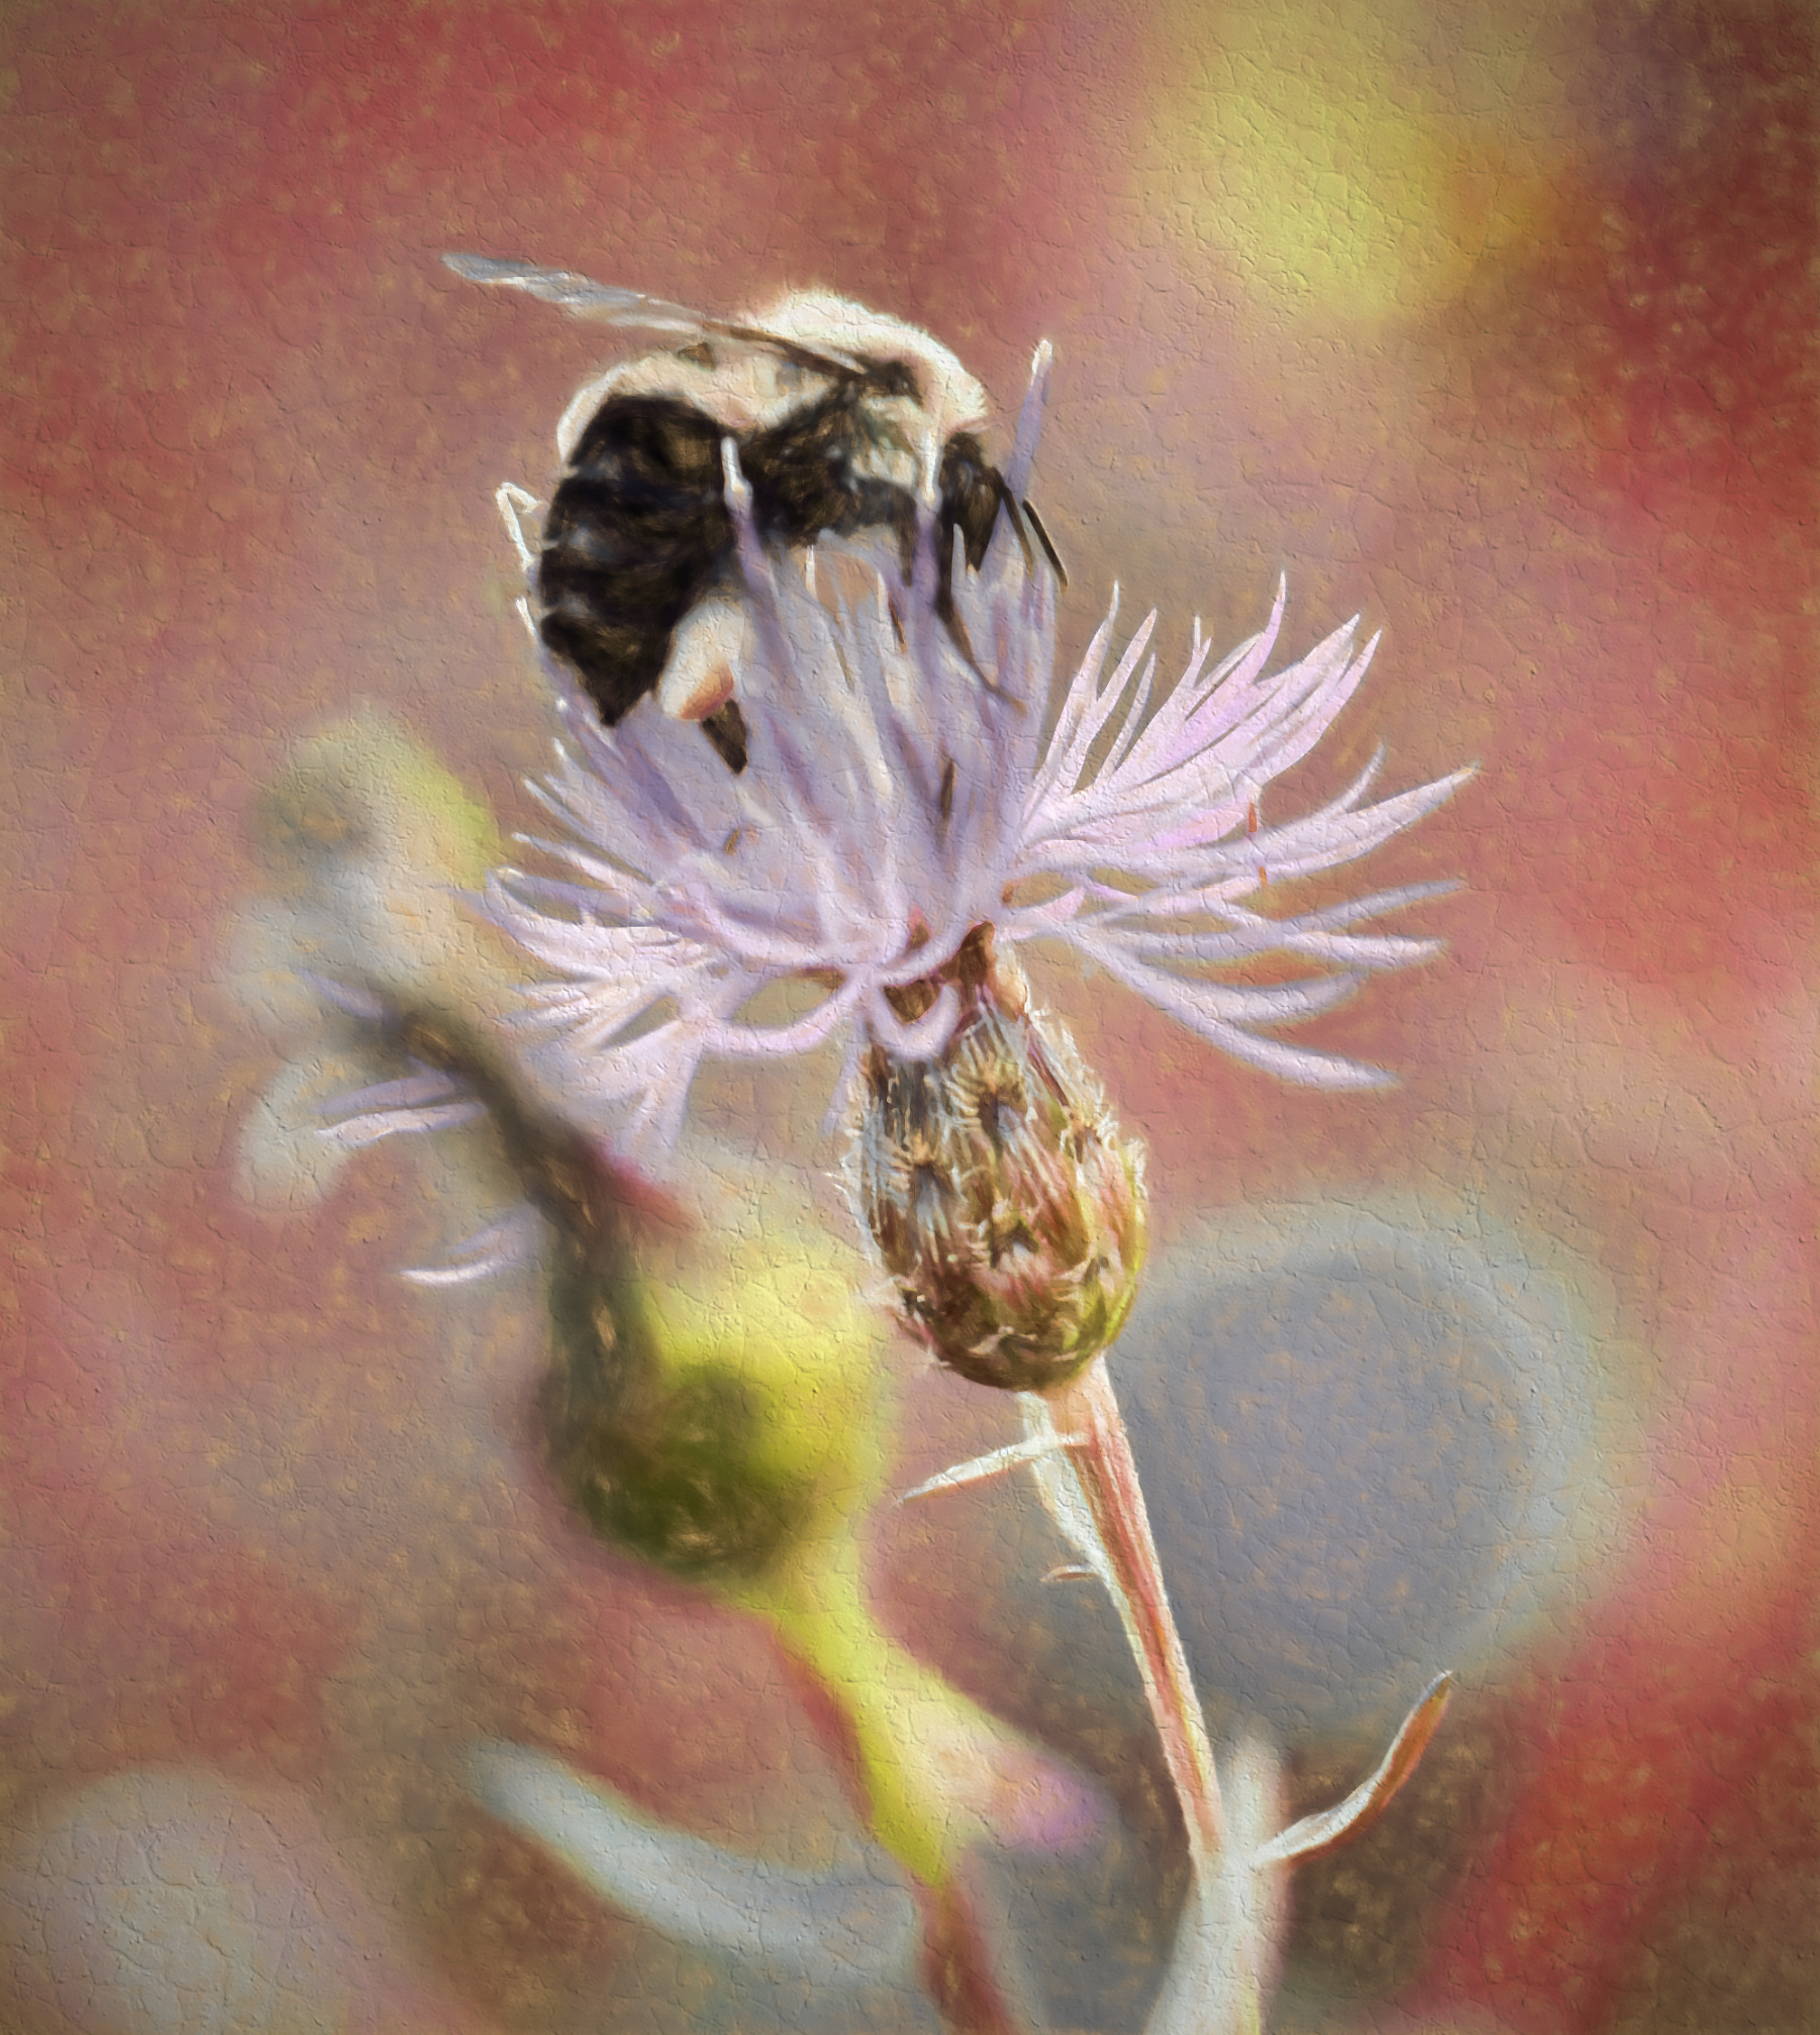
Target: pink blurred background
1495 323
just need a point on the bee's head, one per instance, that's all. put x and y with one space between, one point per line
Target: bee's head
931 378
915 390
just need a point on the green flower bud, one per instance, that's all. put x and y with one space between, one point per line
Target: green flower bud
716 1396
996 1185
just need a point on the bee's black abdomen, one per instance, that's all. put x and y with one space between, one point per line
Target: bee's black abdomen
636 534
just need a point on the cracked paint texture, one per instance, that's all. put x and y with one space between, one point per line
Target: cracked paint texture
1495 323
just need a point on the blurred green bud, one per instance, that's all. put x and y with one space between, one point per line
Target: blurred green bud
715 1400
716 1378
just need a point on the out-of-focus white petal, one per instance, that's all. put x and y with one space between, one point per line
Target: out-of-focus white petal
513 1240
839 1929
427 1101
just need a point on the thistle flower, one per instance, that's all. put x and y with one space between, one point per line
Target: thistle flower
909 814
902 790
905 792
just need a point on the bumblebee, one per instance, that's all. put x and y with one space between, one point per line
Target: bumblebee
844 420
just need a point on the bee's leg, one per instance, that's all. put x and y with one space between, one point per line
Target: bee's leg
896 506
1008 501
709 649
1054 555
956 629
905 522
725 728
947 612
515 505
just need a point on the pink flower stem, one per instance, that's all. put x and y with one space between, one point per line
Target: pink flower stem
1086 1411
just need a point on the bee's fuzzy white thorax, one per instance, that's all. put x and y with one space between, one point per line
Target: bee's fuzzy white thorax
951 399
747 386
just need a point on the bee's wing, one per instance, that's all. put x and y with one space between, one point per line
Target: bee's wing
582 298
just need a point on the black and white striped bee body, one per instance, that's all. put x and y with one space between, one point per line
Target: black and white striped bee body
844 420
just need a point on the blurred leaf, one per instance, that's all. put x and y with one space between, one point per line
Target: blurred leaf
847 1929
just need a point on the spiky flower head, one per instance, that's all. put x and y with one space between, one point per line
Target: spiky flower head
1003 1200
905 788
